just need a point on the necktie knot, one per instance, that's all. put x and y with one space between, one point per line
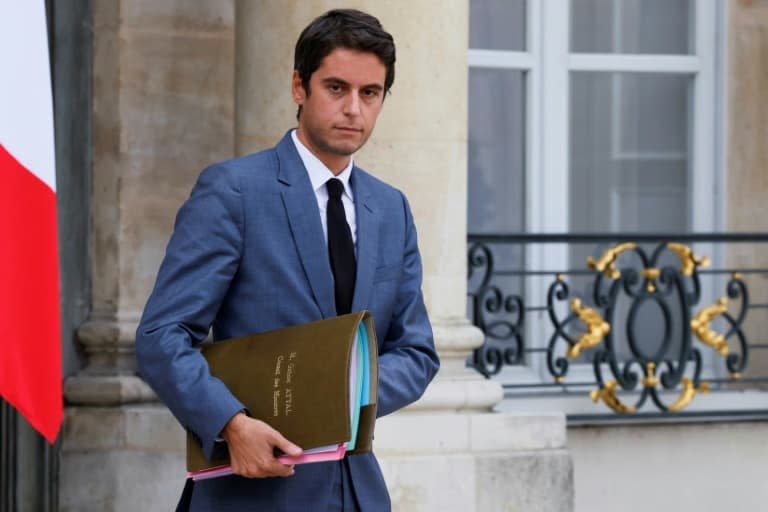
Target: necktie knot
335 188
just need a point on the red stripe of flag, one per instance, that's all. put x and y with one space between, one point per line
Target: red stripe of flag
30 346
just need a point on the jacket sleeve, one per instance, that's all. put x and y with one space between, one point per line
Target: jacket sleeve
407 360
201 259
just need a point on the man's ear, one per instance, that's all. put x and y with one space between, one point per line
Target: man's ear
297 89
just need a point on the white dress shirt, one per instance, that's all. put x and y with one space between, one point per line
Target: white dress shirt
319 174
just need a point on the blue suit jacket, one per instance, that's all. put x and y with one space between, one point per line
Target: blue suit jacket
248 255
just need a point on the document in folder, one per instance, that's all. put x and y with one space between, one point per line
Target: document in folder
315 383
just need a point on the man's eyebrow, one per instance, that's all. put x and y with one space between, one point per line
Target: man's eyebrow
336 80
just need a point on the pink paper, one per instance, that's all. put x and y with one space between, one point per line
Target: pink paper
304 458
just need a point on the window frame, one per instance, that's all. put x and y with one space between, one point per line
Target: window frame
547 63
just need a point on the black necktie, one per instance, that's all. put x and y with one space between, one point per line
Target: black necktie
341 250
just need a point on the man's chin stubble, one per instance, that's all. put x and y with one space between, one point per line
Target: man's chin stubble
336 150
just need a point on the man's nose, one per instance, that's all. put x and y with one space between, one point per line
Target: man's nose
352 105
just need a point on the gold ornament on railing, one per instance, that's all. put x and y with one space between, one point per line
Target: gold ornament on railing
607 262
688 260
597 328
608 395
650 380
687 394
700 326
651 274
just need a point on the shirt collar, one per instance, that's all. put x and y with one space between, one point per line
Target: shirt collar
318 172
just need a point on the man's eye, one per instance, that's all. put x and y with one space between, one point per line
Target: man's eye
334 88
370 93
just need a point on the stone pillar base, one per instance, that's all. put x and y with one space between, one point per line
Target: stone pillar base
475 462
121 459
128 458
107 390
457 388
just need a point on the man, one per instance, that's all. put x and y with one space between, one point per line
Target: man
285 236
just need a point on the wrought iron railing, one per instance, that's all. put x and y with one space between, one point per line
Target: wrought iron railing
7 458
646 321
28 465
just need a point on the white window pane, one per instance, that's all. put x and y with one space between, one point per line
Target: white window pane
629 152
496 150
497 24
629 173
496 183
632 26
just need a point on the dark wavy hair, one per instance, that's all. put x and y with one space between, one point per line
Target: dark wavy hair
343 28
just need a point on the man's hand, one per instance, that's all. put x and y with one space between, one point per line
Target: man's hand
252 446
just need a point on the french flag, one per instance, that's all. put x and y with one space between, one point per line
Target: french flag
30 337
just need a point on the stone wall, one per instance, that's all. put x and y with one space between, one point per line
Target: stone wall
163 107
747 154
684 467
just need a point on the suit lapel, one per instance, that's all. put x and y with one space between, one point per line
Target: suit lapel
304 219
367 239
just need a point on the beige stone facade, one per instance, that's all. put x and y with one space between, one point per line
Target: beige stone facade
747 151
163 108
178 85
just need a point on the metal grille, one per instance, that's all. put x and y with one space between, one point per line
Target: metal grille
28 466
7 457
645 327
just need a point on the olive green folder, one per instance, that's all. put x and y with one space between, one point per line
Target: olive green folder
297 379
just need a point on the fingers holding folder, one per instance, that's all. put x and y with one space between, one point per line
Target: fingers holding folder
252 444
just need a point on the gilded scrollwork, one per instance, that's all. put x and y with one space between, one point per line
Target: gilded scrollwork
687 393
651 275
608 323
700 325
688 261
596 327
607 394
650 380
606 263
647 372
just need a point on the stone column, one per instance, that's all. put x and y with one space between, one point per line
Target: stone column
447 451
162 109
747 160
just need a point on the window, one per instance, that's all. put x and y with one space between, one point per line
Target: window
590 116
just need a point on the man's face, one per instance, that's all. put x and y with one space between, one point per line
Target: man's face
338 116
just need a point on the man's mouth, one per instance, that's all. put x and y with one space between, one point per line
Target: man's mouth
349 129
